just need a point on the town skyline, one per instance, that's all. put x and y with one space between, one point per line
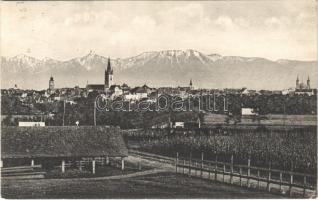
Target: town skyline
193 64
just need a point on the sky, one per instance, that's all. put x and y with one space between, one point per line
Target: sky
271 29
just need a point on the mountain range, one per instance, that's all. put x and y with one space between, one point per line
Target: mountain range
159 68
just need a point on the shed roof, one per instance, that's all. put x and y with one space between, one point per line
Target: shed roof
57 141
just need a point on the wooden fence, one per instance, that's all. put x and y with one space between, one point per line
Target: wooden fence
246 175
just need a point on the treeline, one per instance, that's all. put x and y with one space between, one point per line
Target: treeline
83 110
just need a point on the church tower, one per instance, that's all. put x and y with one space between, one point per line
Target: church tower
108 76
297 83
51 85
191 86
308 83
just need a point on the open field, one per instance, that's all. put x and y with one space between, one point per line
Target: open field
161 185
293 149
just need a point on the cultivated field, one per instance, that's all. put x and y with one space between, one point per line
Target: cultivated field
293 149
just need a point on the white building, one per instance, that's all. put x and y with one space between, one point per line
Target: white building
135 96
248 111
179 125
31 123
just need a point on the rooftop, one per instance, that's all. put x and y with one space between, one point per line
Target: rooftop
58 141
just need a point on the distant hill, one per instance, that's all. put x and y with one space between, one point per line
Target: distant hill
159 68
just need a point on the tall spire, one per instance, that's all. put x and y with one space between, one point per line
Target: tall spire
308 83
190 82
109 68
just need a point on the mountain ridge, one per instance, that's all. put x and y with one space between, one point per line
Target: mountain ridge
176 67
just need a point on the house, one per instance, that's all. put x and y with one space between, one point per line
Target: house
186 120
137 93
248 112
125 88
215 119
115 90
288 91
309 92
31 123
244 91
160 121
95 87
178 125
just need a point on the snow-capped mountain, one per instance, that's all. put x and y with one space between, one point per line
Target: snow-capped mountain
158 68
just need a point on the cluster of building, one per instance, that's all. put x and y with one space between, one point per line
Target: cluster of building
112 90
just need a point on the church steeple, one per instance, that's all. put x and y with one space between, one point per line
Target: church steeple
108 75
190 85
308 83
297 83
109 68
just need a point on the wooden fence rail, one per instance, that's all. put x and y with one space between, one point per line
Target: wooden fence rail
272 178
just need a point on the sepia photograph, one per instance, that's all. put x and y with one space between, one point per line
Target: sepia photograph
168 99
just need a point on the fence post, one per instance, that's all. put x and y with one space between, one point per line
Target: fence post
280 181
240 176
107 160
190 164
291 182
305 182
93 166
122 164
269 177
216 167
63 166
291 179
201 173
231 172
223 172
195 167
248 170
177 159
258 177
209 168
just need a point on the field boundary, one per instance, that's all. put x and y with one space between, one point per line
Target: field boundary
262 177
241 175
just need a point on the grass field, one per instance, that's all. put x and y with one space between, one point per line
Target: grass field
161 185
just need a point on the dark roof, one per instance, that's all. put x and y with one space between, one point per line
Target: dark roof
58 141
95 87
143 89
159 119
185 117
138 90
